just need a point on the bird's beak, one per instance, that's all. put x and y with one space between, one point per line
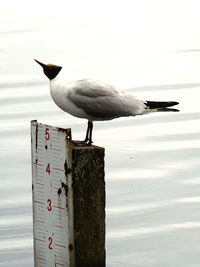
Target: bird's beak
40 63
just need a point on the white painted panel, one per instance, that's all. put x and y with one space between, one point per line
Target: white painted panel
50 201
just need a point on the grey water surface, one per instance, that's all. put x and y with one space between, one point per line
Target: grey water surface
152 49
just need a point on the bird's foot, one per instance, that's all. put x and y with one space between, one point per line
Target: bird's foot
82 143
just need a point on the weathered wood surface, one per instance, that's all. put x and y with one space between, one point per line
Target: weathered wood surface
89 205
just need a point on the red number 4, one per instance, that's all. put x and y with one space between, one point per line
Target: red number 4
47 135
48 169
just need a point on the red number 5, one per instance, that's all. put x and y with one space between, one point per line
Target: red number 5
50 243
47 135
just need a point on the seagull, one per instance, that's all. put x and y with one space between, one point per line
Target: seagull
95 100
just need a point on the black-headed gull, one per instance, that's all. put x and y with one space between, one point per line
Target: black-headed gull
96 101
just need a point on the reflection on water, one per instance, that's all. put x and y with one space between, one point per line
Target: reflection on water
152 161
164 87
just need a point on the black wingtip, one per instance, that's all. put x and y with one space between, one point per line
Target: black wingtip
160 105
168 109
173 103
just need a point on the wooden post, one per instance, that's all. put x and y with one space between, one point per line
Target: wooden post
89 206
68 200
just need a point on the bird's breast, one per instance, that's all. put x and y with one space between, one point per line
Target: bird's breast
59 93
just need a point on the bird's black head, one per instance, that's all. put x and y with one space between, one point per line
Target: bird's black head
50 70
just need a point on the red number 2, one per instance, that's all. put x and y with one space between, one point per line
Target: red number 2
48 168
49 207
47 135
50 243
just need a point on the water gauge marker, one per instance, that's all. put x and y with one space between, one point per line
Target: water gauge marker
52 196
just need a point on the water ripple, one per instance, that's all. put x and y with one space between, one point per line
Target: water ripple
142 231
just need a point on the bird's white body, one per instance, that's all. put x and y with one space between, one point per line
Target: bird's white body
93 100
59 91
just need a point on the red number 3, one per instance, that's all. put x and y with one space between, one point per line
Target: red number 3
50 243
49 207
47 135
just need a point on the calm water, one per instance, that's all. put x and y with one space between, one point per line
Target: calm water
152 162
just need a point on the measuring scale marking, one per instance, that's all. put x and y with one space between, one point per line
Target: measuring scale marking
50 204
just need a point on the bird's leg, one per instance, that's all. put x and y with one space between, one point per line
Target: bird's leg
88 137
89 133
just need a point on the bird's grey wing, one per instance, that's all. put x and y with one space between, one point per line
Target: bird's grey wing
92 88
98 100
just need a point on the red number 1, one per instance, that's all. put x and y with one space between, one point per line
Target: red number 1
50 243
48 168
47 135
